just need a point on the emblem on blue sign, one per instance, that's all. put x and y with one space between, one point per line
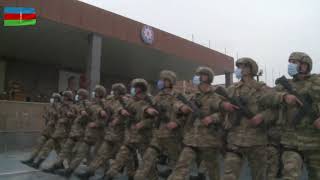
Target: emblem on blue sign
147 34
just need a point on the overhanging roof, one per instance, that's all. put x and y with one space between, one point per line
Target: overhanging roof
61 37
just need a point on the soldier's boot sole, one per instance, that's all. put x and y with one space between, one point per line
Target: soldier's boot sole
53 168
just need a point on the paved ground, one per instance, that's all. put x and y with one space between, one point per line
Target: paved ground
12 169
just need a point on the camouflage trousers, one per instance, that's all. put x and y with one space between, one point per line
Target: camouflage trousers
126 157
293 164
273 159
207 156
67 150
170 146
52 144
235 157
107 151
83 151
40 144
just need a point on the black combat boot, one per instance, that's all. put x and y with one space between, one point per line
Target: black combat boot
165 173
85 175
37 164
201 176
28 162
130 178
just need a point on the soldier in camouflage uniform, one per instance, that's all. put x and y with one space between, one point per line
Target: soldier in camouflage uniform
114 133
202 142
76 132
299 118
246 138
93 135
67 113
168 133
50 116
139 127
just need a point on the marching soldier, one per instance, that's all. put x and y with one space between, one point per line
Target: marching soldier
202 142
98 117
66 115
51 117
246 138
167 137
298 101
76 132
139 127
114 133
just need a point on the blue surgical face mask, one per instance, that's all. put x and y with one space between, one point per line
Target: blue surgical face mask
76 97
196 80
292 69
238 73
93 95
133 91
160 84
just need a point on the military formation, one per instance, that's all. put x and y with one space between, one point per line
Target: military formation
276 130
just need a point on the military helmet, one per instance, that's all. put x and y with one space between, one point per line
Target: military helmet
205 70
56 96
68 94
251 62
83 92
141 83
169 75
100 91
302 58
119 87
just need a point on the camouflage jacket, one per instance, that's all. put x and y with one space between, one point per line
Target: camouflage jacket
168 106
137 107
93 133
242 133
67 113
200 135
116 133
50 116
80 122
302 135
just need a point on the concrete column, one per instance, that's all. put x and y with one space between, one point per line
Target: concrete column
228 79
2 75
94 60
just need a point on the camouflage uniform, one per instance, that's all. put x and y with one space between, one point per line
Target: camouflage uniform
300 141
76 133
164 141
135 139
114 135
243 140
51 117
274 147
202 143
67 113
94 129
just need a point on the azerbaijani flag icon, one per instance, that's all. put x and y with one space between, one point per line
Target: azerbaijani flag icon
19 16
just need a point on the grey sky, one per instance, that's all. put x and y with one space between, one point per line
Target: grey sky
266 30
